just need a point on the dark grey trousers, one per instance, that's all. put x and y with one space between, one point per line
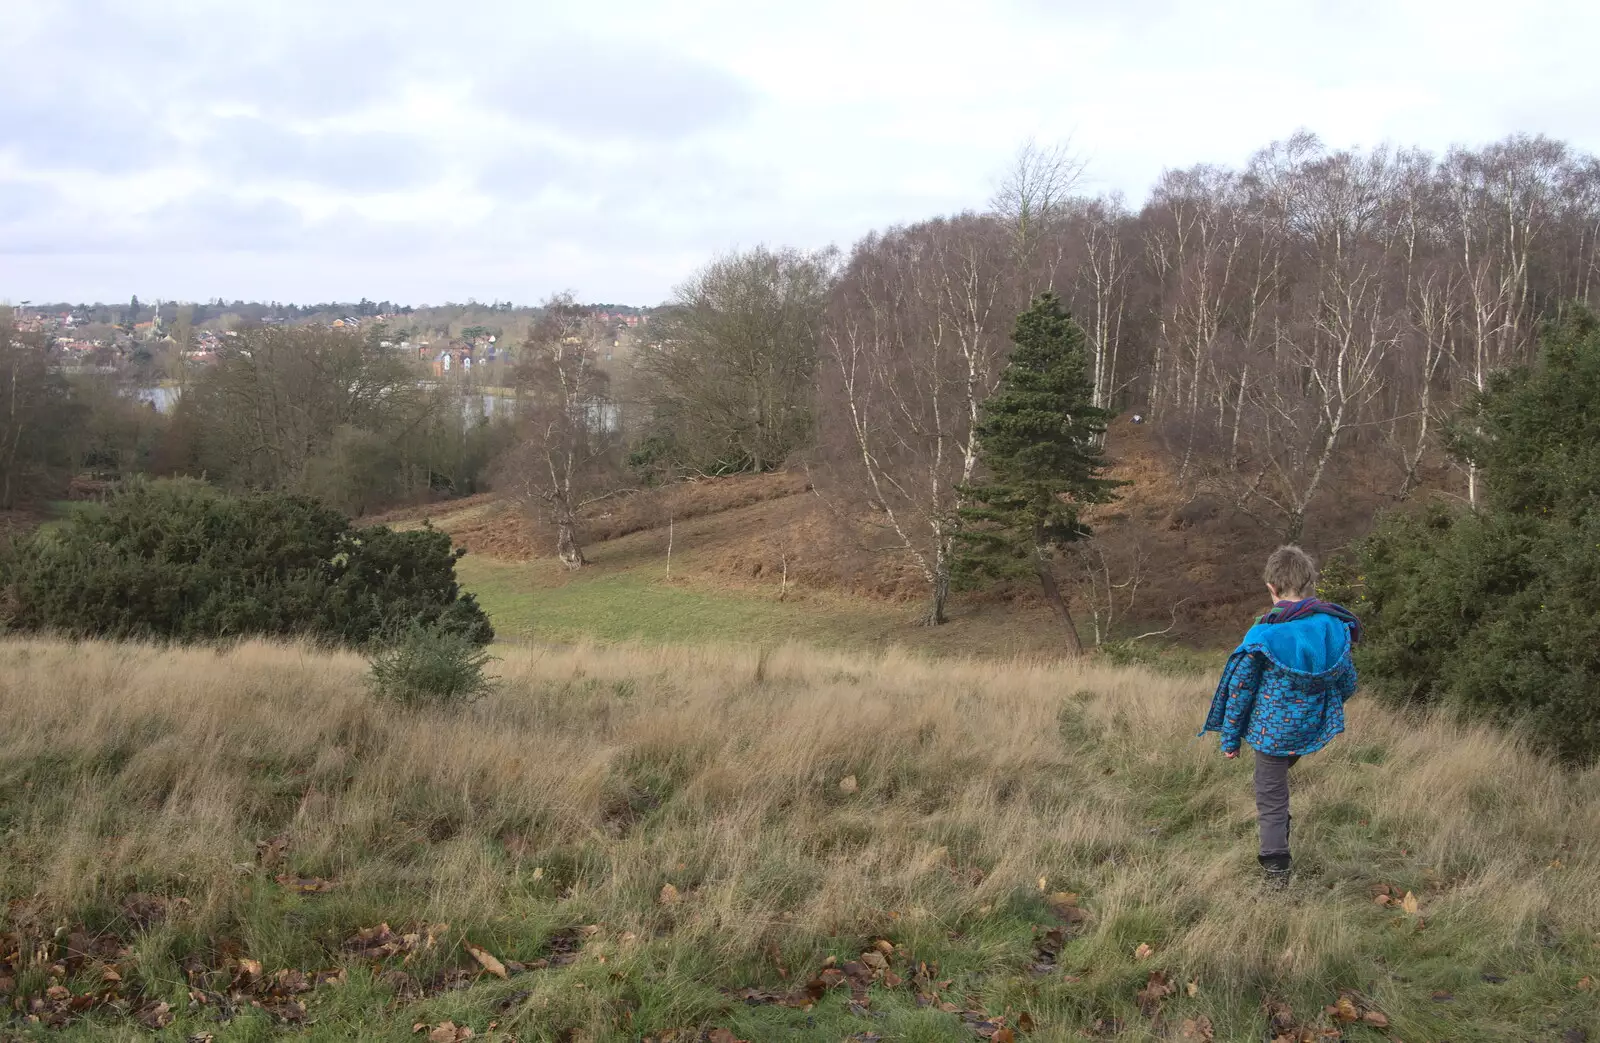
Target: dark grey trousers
1272 802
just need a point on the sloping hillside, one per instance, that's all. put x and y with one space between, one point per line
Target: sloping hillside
761 556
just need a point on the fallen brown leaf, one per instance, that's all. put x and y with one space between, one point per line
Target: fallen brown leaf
305 885
1410 904
848 784
449 1032
1281 1018
1199 1029
722 1036
1143 952
1192 989
1376 1019
1585 983
1345 1010
1062 900
156 1015
1155 990
270 852
486 960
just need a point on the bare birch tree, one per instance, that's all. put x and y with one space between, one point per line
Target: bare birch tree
566 456
1503 199
1102 270
913 342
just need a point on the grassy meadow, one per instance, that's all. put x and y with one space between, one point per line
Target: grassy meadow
715 843
540 602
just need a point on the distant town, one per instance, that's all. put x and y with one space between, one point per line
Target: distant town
159 343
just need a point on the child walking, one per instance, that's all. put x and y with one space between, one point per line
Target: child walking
1283 692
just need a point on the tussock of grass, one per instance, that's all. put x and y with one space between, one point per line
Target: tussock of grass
593 777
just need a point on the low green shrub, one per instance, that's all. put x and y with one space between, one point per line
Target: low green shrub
430 666
182 561
1491 611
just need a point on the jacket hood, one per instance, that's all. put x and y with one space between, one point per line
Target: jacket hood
1313 644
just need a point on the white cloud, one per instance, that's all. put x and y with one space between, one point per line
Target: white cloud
497 148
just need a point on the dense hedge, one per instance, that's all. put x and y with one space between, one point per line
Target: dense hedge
1493 610
181 561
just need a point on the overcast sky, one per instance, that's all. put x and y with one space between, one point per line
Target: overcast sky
309 150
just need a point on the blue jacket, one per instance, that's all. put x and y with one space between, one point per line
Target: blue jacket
1284 688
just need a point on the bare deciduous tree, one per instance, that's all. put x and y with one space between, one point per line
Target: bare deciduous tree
38 420
733 374
277 396
566 455
913 342
1033 194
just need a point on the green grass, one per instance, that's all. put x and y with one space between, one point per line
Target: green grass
535 601
622 602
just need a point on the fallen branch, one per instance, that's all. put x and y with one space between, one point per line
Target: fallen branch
1169 628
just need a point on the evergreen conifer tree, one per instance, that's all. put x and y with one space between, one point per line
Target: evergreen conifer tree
1038 441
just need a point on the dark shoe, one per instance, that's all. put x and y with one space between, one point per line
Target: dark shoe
1276 869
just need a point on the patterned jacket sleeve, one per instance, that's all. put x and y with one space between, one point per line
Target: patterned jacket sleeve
1235 699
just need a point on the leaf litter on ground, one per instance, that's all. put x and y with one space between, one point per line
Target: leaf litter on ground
876 966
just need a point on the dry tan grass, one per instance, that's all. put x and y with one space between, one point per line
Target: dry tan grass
612 771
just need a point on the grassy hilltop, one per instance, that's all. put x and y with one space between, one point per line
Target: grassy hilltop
713 843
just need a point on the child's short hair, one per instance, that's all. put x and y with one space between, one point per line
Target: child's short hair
1290 570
